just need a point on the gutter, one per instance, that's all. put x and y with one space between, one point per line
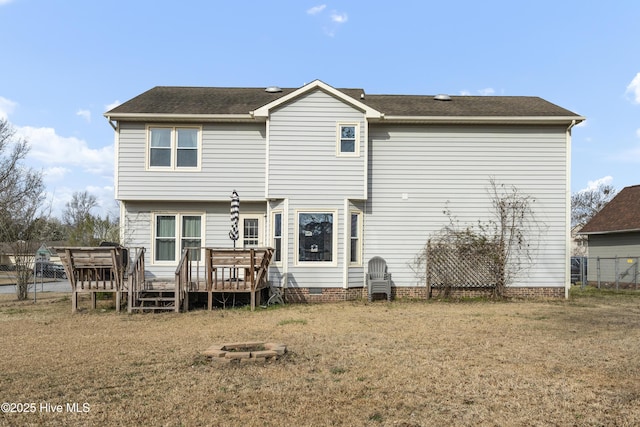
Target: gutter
631 230
180 117
574 120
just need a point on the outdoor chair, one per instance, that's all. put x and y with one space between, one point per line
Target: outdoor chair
275 296
378 279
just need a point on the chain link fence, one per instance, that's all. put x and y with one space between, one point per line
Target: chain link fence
607 272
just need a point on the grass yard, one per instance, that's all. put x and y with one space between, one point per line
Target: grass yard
406 363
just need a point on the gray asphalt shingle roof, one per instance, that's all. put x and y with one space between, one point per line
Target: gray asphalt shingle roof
221 100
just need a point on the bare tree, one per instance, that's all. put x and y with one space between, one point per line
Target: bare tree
79 208
497 249
21 201
585 204
85 228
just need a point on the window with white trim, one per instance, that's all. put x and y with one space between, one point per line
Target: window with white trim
174 147
316 237
355 240
347 144
175 232
276 238
251 230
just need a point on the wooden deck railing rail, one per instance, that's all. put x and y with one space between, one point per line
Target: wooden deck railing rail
92 270
183 278
135 280
237 270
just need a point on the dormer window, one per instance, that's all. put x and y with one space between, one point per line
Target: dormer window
347 143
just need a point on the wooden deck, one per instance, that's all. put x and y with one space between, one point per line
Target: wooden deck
225 270
230 271
92 270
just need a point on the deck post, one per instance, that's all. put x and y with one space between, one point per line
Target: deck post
74 301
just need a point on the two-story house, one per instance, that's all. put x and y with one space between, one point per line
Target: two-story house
332 177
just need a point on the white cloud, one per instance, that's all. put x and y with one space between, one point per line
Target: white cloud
51 149
3 2
482 92
638 133
634 88
339 18
6 105
56 173
594 185
85 114
113 105
316 9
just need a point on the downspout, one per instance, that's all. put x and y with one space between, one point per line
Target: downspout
567 268
111 123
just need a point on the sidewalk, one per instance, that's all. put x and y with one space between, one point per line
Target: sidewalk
53 286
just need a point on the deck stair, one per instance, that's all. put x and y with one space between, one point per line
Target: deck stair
153 297
155 300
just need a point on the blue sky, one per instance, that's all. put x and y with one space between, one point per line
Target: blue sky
66 62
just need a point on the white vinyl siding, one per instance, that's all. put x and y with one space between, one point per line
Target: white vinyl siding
418 172
232 157
302 150
140 220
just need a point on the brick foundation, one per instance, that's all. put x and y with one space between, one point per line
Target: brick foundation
319 295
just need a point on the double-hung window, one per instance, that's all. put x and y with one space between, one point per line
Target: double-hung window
276 225
174 147
355 241
174 233
347 141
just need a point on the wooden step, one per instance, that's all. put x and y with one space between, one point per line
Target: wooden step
157 299
167 308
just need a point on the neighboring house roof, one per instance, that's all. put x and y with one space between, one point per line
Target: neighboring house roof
242 102
621 214
31 247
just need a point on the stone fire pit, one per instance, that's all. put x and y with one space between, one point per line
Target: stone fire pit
241 352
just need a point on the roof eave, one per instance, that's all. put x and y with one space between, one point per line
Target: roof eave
485 119
139 117
631 230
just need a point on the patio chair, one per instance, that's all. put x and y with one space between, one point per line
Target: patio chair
378 279
275 296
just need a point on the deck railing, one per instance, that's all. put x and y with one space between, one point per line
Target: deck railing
226 270
135 280
92 270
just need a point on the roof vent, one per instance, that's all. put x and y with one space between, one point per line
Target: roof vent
442 97
273 89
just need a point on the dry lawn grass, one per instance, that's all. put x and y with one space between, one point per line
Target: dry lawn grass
404 364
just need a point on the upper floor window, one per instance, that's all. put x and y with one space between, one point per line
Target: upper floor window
174 147
347 144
